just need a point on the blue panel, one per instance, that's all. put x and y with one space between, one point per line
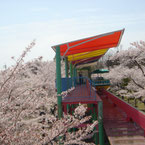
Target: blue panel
66 84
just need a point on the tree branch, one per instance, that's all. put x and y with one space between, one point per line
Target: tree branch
139 66
137 83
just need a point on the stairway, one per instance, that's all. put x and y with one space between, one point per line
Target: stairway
118 129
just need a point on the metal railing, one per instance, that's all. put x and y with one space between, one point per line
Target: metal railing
101 82
82 83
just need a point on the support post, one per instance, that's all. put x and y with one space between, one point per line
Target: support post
66 73
58 81
74 74
73 108
89 73
95 118
71 74
94 112
100 121
66 67
68 108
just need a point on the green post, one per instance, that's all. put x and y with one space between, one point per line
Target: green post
100 121
66 71
71 73
68 108
58 81
89 73
74 74
94 112
95 118
73 107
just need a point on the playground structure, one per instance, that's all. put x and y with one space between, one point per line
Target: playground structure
122 123
100 82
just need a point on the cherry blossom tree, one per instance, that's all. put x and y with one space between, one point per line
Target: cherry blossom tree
28 106
127 71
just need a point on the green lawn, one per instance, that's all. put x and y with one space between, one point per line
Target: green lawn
139 104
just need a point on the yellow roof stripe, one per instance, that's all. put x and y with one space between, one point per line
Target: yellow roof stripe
85 55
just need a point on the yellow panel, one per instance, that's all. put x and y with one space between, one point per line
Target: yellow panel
86 55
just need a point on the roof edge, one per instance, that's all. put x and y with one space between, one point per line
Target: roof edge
54 46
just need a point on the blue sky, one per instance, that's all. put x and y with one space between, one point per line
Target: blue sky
56 21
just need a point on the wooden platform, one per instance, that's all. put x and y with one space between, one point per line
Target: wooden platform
81 94
118 129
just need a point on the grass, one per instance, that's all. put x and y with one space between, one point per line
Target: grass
139 104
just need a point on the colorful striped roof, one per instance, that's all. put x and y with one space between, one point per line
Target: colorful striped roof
89 49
